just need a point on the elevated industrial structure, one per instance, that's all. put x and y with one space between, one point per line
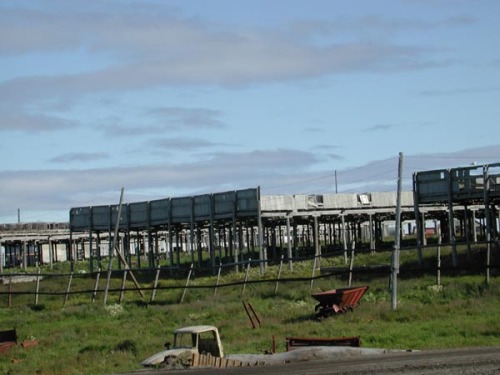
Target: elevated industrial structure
231 227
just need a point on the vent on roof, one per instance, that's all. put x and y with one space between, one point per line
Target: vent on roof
314 201
364 199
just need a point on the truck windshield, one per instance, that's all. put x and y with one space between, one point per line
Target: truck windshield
185 340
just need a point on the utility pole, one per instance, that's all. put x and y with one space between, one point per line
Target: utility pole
336 191
397 238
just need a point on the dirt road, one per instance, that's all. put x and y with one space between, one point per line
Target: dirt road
471 361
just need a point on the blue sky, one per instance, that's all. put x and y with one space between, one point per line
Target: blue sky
175 98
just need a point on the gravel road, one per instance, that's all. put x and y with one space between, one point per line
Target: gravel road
468 361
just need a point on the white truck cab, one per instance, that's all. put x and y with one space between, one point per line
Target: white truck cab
202 339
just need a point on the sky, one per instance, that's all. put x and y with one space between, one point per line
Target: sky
173 98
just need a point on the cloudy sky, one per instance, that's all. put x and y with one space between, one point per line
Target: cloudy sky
171 98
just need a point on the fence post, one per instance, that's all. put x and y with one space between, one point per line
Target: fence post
68 289
157 277
279 274
438 264
94 295
218 278
37 286
108 281
122 289
187 282
351 266
313 270
9 301
246 277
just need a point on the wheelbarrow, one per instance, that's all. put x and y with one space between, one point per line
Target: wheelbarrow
338 301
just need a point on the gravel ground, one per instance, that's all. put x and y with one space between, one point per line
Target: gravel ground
468 361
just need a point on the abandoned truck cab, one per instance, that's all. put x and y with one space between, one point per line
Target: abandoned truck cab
202 339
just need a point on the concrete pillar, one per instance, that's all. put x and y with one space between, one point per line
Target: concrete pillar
2 257
51 254
344 237
289 243
24 255
474 232
370 233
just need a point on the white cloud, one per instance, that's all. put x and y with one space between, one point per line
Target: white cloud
281 171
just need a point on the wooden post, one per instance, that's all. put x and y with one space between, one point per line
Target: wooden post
351 266
279 274
37 286
313 271
9 300
157 278
68 289
438 265
218 278
246 277
108 281
187 282
94 295
118 252
122 289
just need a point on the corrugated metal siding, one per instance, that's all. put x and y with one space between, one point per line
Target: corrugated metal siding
276 203
247 202
79 218
101 219
224 205
334 201
339 201
138 213
160 211
202 204
181 209
123 223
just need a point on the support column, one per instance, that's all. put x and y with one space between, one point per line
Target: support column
370 233
344 237
25 255
2 256
289 243
51 254
317 248
424 236
467 231
474 232
451 231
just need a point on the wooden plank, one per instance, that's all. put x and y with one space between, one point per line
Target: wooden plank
195 360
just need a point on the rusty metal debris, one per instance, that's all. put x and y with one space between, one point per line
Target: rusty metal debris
338 301
252 315
8 339
297 342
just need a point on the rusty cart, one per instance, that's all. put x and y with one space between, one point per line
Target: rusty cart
338 301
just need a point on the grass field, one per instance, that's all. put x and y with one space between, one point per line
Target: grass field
92 338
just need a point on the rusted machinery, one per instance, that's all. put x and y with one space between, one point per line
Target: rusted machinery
338 301
299 342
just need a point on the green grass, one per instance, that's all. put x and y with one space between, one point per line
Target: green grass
90 338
